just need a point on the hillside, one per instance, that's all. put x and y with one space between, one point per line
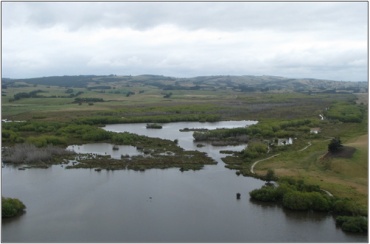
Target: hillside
246 83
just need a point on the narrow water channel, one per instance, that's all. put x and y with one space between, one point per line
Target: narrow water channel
82 205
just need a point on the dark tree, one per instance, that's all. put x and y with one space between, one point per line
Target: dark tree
335 145
270 175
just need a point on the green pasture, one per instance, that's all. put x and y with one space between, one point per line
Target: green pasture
343 177
146 99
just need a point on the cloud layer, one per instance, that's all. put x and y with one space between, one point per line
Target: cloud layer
183 39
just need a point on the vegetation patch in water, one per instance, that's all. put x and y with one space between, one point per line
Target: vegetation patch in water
187 160
154 126
39 157
11 207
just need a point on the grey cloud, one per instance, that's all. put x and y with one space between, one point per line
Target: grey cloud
296 39
226 16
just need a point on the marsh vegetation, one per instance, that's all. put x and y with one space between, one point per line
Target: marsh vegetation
11 207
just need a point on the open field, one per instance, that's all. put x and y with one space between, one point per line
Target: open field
147 100
343 177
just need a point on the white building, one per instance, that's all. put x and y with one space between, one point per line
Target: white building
315 130
285 141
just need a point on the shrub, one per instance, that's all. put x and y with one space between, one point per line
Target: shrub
254 150
345 112
335 145
265 194
97 135
296 201
296 195
154 126
11 207
352 223
319 202
299 185
283 189
270 175
124 138
347 207
43 141
10 136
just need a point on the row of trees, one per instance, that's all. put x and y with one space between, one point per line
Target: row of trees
35 94
88 99
21 95
102 120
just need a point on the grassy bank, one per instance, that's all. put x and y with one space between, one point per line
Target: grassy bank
342 176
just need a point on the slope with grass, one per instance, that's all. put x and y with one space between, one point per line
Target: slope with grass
343 175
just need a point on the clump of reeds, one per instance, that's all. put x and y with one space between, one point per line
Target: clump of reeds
29 153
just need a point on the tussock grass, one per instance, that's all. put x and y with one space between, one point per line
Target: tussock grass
29 154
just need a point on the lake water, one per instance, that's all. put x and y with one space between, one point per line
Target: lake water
82 205
106 149
171 131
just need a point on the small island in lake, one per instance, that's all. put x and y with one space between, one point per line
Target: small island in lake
11 207
154 126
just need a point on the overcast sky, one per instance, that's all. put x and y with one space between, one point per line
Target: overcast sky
326 40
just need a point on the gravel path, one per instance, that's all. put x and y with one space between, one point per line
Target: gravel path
254 164
329 194
309 144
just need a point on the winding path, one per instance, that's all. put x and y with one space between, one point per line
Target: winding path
329 194
309 144
254 164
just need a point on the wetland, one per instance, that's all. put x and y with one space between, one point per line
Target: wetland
154 167
156 205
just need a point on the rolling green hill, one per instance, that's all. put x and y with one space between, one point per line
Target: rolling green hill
246 83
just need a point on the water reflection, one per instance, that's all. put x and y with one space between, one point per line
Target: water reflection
292 214
115 151
306 215
171 131
264 205
13 219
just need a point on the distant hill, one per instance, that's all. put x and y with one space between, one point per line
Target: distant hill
245 83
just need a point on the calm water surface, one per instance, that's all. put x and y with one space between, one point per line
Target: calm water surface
82 205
